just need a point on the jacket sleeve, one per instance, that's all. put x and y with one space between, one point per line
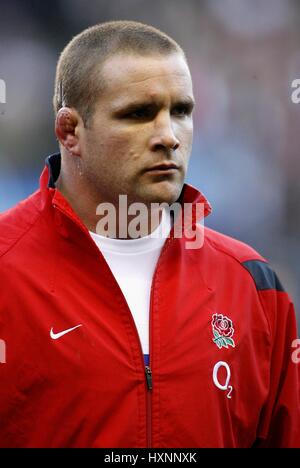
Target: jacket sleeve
280 418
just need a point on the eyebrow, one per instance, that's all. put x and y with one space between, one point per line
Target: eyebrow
131 106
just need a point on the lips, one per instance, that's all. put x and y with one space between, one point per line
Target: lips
163 167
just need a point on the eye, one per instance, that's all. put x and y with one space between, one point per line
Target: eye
182 110
140 113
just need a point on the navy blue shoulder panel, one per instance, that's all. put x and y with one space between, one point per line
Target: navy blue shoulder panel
263 275
53 162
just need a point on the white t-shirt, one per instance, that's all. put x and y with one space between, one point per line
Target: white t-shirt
133 263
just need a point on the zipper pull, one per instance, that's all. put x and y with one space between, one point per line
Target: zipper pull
148 377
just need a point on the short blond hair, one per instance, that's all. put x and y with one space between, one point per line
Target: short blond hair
78 80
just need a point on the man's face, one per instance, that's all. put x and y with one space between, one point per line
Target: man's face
143 119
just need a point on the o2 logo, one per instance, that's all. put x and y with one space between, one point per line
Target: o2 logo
296 353
225 384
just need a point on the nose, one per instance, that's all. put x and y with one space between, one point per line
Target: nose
163 134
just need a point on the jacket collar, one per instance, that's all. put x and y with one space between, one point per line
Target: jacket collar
189 194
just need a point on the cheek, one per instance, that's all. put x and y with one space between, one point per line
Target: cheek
189 135
185 134
128 147
125 142
107 148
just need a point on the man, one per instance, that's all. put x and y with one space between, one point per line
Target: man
112 339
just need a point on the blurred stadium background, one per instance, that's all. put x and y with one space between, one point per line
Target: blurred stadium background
244 55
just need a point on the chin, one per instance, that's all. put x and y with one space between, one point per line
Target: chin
164 192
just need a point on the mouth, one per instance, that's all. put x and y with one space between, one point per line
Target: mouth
163 168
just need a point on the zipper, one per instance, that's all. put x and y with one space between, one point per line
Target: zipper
148 373
147 369
148 377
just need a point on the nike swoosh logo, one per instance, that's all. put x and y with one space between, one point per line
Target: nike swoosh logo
55 336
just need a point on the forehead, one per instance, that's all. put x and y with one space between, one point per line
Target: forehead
151 76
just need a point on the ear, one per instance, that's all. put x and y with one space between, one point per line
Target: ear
66 126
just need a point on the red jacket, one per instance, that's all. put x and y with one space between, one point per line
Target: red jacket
221 331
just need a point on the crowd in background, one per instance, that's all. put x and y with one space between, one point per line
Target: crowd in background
244 55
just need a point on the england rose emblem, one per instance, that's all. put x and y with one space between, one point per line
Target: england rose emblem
223 330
